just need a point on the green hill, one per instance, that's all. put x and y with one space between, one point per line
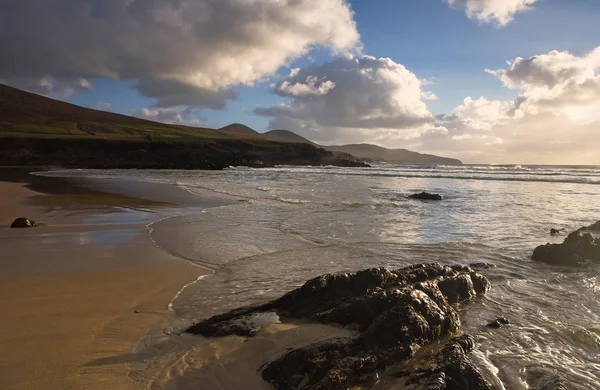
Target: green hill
36 130
30 115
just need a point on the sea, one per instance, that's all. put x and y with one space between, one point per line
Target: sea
282 226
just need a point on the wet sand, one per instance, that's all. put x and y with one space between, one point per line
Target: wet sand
85 287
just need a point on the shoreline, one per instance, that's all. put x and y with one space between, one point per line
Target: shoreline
85 289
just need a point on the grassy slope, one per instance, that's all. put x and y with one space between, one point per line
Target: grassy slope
24 114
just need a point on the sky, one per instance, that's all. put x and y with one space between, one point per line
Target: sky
485 81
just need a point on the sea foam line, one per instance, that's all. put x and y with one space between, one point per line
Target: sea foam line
192 263
209 268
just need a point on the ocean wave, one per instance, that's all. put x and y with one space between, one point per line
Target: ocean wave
549 178
293 201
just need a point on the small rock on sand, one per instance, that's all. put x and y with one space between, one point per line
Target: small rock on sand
23 223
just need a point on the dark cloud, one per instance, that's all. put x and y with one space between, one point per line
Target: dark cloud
201 47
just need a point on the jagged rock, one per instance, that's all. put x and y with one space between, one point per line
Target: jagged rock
23 223
554 232
592 228
396 312
426 196
498 323
577 249
450 369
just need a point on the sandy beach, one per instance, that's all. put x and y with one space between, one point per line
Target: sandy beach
82 289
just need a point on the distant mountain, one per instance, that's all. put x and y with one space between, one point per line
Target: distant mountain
400 156
366 151
239 129
286 136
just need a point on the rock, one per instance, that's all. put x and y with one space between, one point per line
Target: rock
426 196
396 312
23 223
237 322
592 228
577 249
595 227
449 369
554 232
498 323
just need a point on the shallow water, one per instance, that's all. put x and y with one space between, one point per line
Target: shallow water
286 225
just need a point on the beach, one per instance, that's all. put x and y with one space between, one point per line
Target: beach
101 294
81 291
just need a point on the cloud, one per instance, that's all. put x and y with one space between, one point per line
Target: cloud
310 87
555 118
175 115
557 82
61 87
103 106
499 12
190 52
484 114
352 98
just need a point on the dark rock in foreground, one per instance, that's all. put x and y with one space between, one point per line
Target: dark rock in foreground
396 312
451 369
554 232
23 223
577 249
592 228
426 196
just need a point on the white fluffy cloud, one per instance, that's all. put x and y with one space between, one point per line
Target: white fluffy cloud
180 51
309 87
557 82
352 98
554 119
500 12
484 114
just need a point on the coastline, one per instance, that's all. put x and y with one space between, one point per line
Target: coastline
81 292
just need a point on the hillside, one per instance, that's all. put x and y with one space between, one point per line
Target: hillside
399 156
36 130
286 136
27 114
